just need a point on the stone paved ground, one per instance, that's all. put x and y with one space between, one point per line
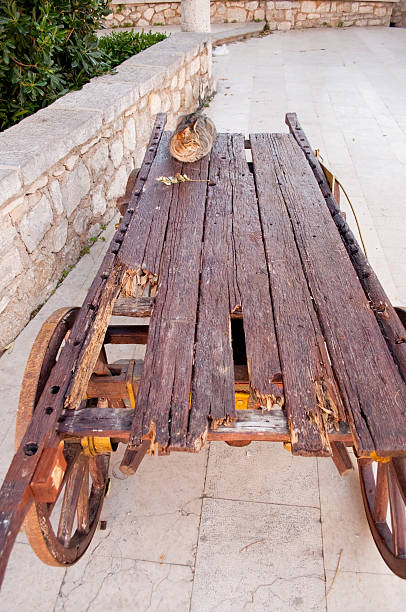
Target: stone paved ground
253 528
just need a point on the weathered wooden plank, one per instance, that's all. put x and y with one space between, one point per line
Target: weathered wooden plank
142 246
213 380
311 394
258 424
372 388
162 406
81 350
268 426
134 307
252 278
392 328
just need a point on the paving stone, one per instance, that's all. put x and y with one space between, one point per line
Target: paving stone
255 556
358 591
158 514
242 473
113 584
29 584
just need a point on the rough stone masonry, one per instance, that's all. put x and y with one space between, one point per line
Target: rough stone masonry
280 14
62 169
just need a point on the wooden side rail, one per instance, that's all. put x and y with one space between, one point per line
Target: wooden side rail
386 316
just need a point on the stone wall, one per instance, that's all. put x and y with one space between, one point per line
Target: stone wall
62 169
281 14
133 12
398 17
287 15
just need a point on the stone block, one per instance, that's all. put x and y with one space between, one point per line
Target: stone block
175 101
10 181
117 187
36 143
181 78
81 220
4 302
148 14
259 14
361 22
107 95
56 196
129 134
188 96
251 6
96 160
70 162
195 65
380 12
116 152
324 7
154 103
99 203
174 82
365 8
374 22
237 14
76 187
38 184
284 26
10 266
285 4
59 236
308 6
36 223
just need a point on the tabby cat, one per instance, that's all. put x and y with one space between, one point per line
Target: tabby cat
193 137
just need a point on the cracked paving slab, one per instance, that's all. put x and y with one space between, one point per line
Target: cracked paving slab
111 584
155 514
261 472
257 557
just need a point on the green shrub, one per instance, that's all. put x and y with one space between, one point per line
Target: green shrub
48 48
118 46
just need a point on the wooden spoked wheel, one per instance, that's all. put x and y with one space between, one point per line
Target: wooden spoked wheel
383 487
60 532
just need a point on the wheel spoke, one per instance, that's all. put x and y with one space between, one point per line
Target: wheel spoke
83 503
399 467
70 500
97 468
71 456
397 509
381 493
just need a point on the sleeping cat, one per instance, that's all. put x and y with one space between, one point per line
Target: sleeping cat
193 138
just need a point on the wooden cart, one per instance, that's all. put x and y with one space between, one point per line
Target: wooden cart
266 322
